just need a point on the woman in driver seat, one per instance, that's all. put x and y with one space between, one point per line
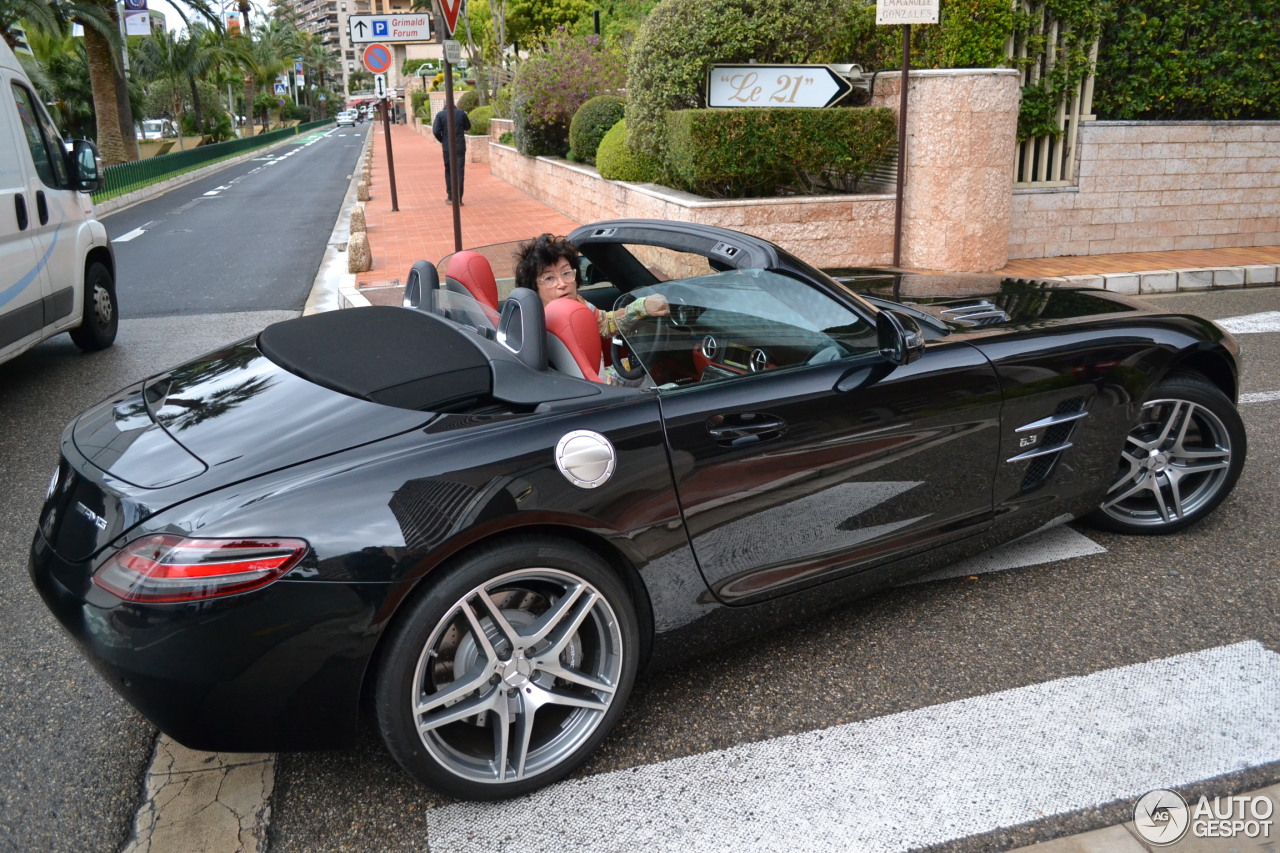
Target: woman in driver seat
549 266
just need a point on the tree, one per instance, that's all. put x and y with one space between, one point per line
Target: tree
117 142
532 22
178 60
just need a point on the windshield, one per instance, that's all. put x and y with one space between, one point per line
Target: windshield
734 324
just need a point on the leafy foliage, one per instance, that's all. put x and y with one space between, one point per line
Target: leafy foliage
1189 59
467 101
618 161
502 102
682 38
551 86
507 138
969 34
542 23
480 118
757 152
591 122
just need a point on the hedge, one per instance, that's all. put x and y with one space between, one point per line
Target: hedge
480 118
467 101
591 122
756 152
682 38
1174 59
617 161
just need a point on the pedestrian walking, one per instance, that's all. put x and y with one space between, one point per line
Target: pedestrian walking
439 129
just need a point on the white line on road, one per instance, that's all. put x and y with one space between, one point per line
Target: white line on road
1252 324
212 192
137 232
1049 546
917 778
1259 397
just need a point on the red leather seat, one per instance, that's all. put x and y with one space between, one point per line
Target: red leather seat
472 271
574 325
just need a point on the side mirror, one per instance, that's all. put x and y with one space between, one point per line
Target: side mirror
899 337
421 286
86 170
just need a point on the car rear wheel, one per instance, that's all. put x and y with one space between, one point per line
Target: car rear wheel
101 313
508 670
1181 459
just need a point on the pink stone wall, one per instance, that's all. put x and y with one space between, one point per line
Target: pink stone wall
1157 186
852 230
962 126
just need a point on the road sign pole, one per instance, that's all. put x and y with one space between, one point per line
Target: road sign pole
452 147
391 161
902 146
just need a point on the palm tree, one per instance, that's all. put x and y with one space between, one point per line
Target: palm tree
38 14
179 60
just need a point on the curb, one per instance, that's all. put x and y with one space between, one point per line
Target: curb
335 288
120 202
1173 281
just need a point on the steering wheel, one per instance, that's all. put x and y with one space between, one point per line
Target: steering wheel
617 351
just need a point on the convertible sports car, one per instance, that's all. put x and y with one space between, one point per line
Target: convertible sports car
440 514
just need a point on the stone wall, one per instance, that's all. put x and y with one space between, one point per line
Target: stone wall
848 230
1157 186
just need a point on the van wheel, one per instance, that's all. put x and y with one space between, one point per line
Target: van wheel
101 318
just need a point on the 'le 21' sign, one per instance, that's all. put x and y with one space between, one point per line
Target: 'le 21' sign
774 86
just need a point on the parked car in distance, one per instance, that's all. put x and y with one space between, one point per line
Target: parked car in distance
151 129
57 269
346 119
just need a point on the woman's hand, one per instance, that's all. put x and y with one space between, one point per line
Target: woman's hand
656 305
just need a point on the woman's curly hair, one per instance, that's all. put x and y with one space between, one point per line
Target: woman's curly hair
541 252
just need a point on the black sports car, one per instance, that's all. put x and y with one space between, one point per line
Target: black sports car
441 510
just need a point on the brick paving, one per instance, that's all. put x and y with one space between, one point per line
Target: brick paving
1139 261
493 210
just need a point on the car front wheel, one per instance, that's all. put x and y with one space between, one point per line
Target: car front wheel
101 314
1181 459
508 670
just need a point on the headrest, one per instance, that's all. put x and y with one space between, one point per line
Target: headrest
472 271
574 324
522 327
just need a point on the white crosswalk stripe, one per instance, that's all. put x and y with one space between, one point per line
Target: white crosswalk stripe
918 778
1252 324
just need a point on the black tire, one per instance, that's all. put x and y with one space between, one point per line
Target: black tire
1181 459
532 578
100 314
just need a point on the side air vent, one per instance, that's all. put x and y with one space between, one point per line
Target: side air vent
1055 438
980 313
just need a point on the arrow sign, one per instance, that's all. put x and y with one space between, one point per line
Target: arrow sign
380 85
377 58
451 11
399 28
775 86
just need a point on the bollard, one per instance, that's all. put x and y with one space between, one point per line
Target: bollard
357 218
362 191
359 257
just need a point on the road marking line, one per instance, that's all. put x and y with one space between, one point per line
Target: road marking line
1049 546
212 192
1259 397
918 778
1252 324
137 232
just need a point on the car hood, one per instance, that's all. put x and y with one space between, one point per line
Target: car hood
964 302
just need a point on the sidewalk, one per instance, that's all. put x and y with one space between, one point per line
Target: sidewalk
493 211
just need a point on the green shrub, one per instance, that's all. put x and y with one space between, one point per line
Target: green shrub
1171 59
467 101
618 161
480 117
682 38
423 113
737 153
418 98
507 138
502 103
550 87
969 34
591 122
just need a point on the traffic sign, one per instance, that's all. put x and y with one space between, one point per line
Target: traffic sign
282 88
451 10
452 51
775 86
380 85
389 28
377 58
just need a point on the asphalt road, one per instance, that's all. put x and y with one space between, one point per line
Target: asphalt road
72 754
914 647
248 238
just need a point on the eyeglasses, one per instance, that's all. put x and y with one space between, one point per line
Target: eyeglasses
566 275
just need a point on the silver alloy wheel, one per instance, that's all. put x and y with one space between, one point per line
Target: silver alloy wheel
1174 462
517 675
102 305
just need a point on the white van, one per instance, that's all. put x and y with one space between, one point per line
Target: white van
57 270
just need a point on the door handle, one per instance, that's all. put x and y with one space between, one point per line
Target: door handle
740 428
42 207
20 208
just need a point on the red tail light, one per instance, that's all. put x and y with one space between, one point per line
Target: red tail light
172 568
